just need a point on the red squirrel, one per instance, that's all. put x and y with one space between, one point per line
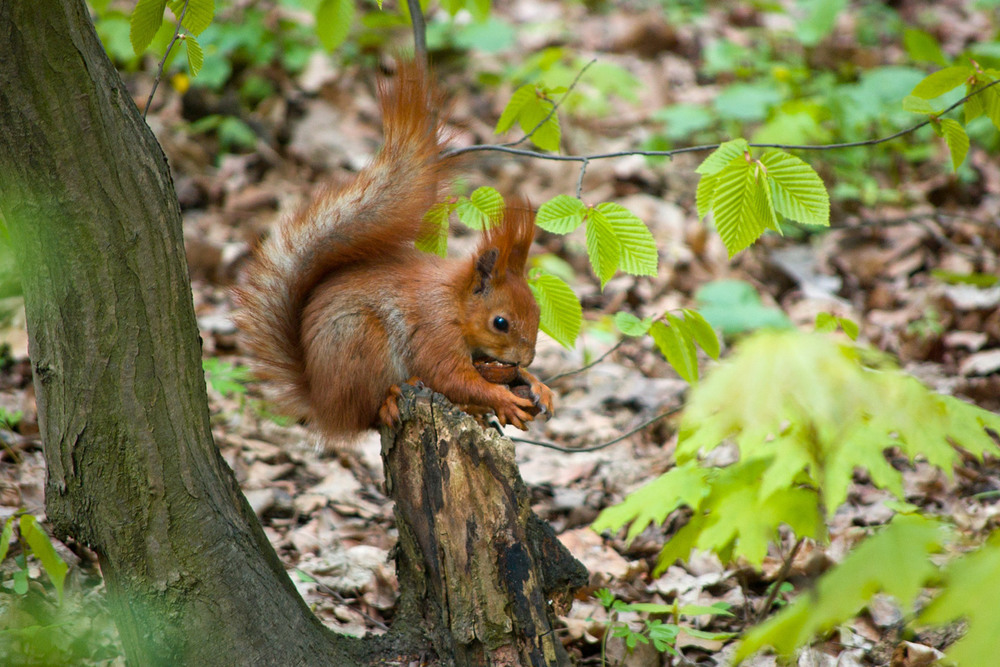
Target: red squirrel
340 308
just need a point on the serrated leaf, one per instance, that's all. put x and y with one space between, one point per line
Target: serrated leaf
197 16
895 561
957 139
41 546
737 209
916 104
973 106
703 333
797 190
677 350
145 21
561 214
849 327
705 194
825 323
333 22
630 325
941 81
544 128
638 248
723 156
195 56
603 248
434 234
512 111
482 209
970 589
561 315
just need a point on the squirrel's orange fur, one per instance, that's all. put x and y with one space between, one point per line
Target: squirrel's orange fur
339 307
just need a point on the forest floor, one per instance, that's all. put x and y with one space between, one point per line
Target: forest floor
888 264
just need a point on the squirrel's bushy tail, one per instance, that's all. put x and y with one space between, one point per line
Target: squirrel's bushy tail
378 214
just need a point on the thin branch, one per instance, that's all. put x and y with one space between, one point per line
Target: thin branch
705 147
163 61
786 567
419 30
555 105
594 448
588 366
579 181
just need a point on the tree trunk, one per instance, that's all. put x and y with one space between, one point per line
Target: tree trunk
133 472
476 566
132 468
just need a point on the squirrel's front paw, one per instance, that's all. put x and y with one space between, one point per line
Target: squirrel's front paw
515 410
542 395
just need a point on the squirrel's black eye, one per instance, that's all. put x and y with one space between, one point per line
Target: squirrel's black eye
501 324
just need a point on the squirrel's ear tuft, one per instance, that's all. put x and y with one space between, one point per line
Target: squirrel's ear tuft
486 263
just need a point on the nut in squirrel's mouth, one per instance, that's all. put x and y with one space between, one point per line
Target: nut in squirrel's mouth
485 360
496 371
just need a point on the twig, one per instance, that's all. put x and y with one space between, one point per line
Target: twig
588 366
555 105
500 148
579 181
594 448
163 61
419 30
786 567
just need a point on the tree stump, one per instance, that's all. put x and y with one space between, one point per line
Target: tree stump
482 574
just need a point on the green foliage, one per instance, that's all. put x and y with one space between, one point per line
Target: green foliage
480 210
747 195
826 322
147 19
969 589
895 561
225 378
799 441
662 635
734 307
675 337
561 313
616 238
333 22
532 109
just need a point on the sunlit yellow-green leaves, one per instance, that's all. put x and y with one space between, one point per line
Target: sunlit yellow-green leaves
746 195
531 108
616 238
480 210
956 138
974 78
561 315
675 337
895 561
38 541
147 17
333 22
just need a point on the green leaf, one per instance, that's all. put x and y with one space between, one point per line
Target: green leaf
561 214
941 81
197 16
922 47
723 156
957 140
703 333
21 581
561 315
684 485
8 532
483 208
742 205
434 234
825 323
895 561
705 194
734 307
797 190
849 327
638 248
916 104
544 128
630 325
333 22
521 97
677 348
717 609
603 248
41 546
145 21
195 56
970 589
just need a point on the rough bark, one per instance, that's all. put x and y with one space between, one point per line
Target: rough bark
132 468
477 568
